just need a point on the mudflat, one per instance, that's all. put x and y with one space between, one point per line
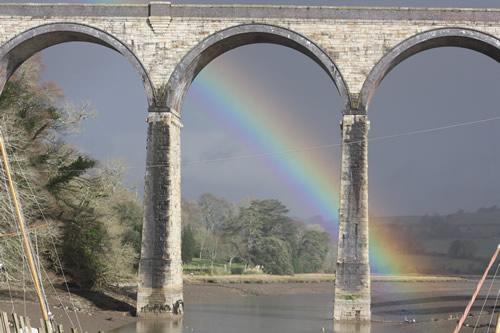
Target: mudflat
434 305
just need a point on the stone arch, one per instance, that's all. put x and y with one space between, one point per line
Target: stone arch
458 37
20 48
225 40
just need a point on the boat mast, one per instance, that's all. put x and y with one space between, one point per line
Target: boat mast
28 249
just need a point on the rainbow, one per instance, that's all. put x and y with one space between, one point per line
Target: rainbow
235 100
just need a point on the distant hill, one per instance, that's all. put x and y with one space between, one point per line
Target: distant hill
378 220
481 224
457 243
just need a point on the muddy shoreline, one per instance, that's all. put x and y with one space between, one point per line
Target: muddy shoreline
392 301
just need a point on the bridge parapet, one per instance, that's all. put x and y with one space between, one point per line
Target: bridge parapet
161 33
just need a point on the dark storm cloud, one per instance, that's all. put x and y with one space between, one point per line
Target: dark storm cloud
445 170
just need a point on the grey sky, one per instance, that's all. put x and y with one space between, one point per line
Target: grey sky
437 172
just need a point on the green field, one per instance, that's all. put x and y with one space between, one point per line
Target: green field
207 267
485 246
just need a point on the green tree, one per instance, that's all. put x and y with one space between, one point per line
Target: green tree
189 246
214 212
69 194
274 255
312 250
82 246
464 249
264 235
129 214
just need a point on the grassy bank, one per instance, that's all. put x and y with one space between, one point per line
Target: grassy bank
309 278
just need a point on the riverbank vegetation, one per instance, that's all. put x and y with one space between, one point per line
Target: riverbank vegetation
83 221
460 243
259 237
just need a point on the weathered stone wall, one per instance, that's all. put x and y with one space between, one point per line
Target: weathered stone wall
160 267
352 283
355 46
161 34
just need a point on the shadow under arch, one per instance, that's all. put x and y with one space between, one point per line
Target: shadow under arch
24 45
457 37
225 40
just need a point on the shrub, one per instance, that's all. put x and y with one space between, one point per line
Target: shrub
237 270
463 249
189 246
274 255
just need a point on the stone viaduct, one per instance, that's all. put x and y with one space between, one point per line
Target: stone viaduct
169 44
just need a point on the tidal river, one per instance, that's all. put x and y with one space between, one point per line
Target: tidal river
307 308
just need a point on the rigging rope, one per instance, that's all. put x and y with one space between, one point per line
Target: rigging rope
24 286
23 175
51 237
1 252
486 299
327 146
22 250
39 265
318 147
37 262
58 297
493 311
7 278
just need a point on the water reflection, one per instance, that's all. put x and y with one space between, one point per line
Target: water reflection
154 326
151 326
301 313
351 328
429 304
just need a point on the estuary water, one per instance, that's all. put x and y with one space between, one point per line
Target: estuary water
434 306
